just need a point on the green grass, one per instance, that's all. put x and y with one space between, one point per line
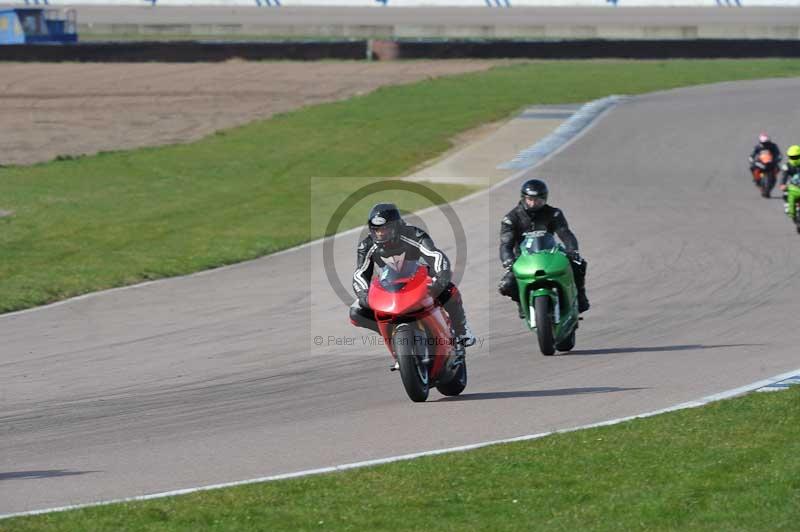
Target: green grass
88 223
732 465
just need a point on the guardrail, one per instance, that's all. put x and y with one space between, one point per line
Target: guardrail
185 51
194 51
587 49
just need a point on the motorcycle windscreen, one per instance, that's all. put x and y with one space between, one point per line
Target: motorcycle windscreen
398 290
538 241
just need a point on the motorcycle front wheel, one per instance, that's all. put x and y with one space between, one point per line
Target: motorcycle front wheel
413 372
544 325
767 184
797 216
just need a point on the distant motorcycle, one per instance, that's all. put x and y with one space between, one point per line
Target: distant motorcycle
765 171
793 200
417 331
547 291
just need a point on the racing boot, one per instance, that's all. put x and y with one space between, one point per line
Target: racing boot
465 336
462 341
583 301
455 309
579 265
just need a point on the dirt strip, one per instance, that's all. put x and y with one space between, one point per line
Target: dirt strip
71 109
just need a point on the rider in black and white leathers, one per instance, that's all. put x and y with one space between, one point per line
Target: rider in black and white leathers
408 244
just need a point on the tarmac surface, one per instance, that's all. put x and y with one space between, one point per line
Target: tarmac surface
218 377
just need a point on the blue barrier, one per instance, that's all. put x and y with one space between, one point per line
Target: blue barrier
36 25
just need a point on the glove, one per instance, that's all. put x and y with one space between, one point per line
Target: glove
574 256
435 288
508 263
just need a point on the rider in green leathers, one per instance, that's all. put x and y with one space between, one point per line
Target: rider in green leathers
791 176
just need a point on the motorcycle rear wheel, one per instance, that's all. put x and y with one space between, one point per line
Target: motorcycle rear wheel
544 325
457 385
413 372
568 343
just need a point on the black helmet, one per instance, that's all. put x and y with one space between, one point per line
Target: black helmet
384 223
534 189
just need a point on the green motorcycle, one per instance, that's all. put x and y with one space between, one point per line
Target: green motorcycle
793 200
547 291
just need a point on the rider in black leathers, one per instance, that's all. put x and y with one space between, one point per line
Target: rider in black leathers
533 214
392 241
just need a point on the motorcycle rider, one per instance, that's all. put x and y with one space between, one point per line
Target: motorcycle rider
764 143
532 213
791 174
391 241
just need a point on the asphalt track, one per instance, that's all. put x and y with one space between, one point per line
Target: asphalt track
215 377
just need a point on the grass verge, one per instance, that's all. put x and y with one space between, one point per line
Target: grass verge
89 223
731 465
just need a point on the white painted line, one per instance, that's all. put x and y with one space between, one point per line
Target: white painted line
794 380
562 134
390 459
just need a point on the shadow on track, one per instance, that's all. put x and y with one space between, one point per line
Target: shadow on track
655 349
47 473
534 393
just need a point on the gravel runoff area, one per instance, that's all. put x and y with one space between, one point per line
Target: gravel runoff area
73 109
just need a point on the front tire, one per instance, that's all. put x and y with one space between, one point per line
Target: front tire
544 325
413 372
767 184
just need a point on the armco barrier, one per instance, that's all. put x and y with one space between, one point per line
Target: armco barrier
587 49
185 52
193 51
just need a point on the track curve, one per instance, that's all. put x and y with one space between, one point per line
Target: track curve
215 377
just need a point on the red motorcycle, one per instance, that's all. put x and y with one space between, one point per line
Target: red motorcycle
765 170
417 331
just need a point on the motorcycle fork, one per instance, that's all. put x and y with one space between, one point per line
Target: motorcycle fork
554 299
423 333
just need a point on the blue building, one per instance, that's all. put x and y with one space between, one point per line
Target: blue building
36 25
